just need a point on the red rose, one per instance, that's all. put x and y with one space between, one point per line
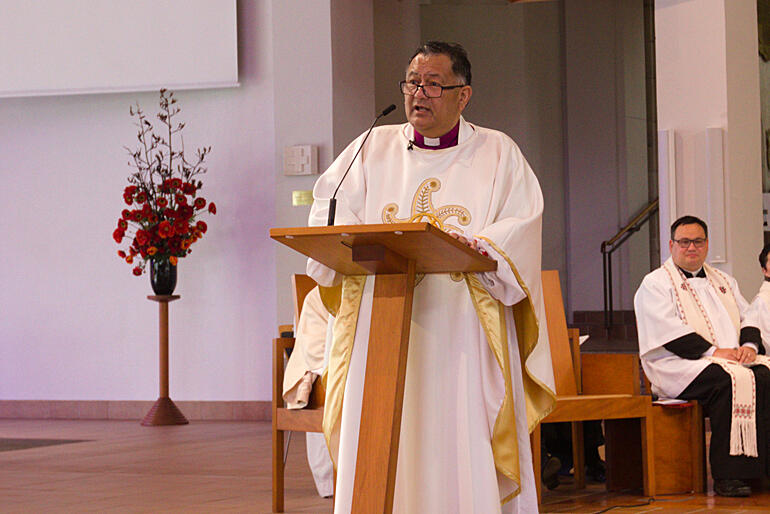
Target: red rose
137 271
164 229
118 234
212 208
200 203
201 225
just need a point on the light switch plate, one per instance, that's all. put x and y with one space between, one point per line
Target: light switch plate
300 160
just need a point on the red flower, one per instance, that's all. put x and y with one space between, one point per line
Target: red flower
173 260
126 214
185 212
188 188
130 258
122 224
141 237
212 208
201 225
164 229
181 227
129 190
118 234
186 244
176 182
128 199
141 197
121 254
162 202
169 213
152 251
137 271
136 215
200 203
181 199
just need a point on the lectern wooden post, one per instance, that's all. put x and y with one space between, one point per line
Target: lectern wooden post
164 411
395 253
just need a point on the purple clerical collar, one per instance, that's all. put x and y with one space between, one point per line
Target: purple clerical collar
429 143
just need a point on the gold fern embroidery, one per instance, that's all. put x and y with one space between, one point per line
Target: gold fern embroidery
424 211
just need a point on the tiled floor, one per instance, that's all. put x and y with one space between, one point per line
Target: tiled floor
217 467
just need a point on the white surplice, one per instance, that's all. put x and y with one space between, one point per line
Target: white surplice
455 386
659 320
760 308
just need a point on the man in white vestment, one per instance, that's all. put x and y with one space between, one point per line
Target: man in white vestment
694 330
760 306
306 363
478 373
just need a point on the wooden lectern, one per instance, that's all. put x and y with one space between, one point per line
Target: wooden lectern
394 253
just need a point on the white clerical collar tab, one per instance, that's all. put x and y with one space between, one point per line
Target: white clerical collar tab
432 141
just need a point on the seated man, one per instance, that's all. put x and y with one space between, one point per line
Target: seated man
760 306
695 339
306 363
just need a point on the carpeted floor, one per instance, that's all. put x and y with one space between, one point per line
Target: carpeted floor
7 445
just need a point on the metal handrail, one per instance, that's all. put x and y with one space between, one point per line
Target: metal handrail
609 246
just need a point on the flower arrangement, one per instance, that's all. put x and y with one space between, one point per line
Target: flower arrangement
161 221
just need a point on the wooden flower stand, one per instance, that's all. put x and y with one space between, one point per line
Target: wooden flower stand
164 412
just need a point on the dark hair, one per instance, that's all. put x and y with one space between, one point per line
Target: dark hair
689 220
763 256
461 66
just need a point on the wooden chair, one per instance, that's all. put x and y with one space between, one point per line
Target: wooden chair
597 387
308 419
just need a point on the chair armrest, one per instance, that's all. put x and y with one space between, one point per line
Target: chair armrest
610 373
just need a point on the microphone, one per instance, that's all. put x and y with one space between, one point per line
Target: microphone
333 200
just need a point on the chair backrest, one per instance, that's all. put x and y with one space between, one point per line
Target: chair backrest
564 372
301 285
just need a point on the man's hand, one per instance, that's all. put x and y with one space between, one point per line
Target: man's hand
745 354
473 244
730 354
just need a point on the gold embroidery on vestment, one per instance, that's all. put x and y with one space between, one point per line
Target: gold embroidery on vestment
423 209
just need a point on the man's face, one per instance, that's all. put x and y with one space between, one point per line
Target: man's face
434 117
690 258
766 268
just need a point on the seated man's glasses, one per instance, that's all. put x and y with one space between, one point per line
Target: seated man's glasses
685 243
429 90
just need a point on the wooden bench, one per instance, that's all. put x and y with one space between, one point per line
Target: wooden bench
598 387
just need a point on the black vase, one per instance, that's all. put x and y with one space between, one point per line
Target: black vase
162 276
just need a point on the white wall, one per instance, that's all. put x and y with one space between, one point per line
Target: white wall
74 323
708 77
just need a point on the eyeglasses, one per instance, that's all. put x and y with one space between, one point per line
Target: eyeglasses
429 90
685 243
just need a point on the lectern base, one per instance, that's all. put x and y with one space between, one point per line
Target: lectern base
164 412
